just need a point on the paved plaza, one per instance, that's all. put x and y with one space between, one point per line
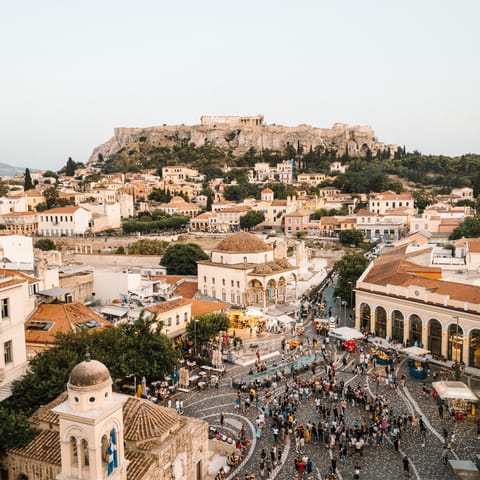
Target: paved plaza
376 461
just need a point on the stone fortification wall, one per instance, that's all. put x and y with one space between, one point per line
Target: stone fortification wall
242 133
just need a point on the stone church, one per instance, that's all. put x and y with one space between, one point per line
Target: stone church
93 433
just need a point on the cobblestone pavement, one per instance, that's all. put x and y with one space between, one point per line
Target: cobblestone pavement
377 462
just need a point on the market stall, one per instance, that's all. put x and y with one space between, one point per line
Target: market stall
460 399
345 333
417 362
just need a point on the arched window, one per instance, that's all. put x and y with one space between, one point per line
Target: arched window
381 322
455 343
84 447
105 443
435 336
73 451
415 330
365 320
474 350
397 326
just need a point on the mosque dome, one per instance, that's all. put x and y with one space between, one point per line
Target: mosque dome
89 374
242 242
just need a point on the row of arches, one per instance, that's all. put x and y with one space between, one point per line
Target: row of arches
413 331
274 291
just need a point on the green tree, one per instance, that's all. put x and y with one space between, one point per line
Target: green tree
207 326
251 219
45 244
349 269
50 174
148 247
468 228
51 197
28 184
422 199
351 237
120 250
181 259
15 430
70 168
139 348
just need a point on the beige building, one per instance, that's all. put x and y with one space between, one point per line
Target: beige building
92 433
404 296
178 206
311 179
244 271
21 223
385 201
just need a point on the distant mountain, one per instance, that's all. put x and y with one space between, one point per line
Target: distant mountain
10 171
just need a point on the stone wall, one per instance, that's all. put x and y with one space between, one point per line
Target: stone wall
242 133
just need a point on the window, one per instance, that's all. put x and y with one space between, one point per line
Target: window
185 317
8 352
214 293
232 298
232 283
238 299
238 284
224 297
204 279
177 319
223 281
4 306
213 280
169 322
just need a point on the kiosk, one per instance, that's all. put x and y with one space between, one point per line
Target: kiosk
417 366
461 401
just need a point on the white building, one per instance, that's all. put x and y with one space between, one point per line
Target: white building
13 204
105 215
385 201
243 271
64 221
14 308
16 252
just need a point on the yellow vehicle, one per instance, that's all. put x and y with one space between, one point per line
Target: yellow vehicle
294 343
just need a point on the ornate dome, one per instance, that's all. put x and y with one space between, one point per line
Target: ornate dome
89 373
242 242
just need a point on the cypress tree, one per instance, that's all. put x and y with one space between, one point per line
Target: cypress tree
27 185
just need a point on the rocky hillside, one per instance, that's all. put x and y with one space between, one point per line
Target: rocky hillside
231 133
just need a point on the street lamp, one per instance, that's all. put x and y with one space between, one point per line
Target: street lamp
339 308
195 330
351 295
344 303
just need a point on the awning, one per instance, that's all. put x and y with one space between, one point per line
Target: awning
454 391
55 292
345 333
416 351
114 311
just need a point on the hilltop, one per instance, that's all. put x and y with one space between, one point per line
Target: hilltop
239 135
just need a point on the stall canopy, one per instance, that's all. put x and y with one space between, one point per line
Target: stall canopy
454 391
415 351
345 333
280 319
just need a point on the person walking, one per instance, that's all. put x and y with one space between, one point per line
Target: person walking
356 471
221 419
445 455
406 467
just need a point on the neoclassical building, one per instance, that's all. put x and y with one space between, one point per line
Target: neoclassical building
243 271
403 296
92 433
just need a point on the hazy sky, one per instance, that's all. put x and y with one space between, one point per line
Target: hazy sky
72 71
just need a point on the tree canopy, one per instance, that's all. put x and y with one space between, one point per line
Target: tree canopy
181 259
468 228
251 219
147 246
207 326
349 269
28 184
352 237
70 168
45 244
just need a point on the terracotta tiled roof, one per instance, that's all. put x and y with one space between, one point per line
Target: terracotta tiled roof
169 305
239 208
44 413
143 420
242 242
45 447
267 190
19 274
140 464
279 203
201 307
19 214
65 317
62 210
395 268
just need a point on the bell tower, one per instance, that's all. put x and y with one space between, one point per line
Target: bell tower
91 426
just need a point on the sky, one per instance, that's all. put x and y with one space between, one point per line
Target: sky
73 71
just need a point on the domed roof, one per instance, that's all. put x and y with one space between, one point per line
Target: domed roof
242 242
267 190
89 373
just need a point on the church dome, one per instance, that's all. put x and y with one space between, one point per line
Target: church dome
242 242
88 374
